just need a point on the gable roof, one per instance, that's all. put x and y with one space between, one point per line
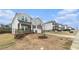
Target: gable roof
50 22
20 14
37 21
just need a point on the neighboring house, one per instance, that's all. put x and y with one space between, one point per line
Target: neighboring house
65 27
21 23
70 28
54 26
60 27
37 25
51 25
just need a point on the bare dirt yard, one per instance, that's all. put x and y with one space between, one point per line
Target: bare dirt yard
33 42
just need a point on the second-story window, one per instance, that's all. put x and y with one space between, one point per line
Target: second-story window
22 18
39 27
26 19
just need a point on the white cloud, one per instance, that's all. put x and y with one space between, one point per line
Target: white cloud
7 13
67 16
67 11
6 16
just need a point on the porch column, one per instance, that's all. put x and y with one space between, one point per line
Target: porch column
24 28
20 27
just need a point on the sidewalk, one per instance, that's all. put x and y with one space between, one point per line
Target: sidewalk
60 35
75 44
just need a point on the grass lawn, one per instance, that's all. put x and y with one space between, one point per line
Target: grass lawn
6 40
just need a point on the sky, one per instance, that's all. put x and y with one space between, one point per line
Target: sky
63 16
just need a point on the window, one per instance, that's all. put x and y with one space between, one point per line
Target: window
22 18
34 26
23 28
39 26
18 18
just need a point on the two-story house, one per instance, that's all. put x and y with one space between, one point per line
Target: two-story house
48 26
21 23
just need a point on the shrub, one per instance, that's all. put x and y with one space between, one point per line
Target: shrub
3 30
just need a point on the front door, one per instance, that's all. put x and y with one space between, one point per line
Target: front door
35 31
